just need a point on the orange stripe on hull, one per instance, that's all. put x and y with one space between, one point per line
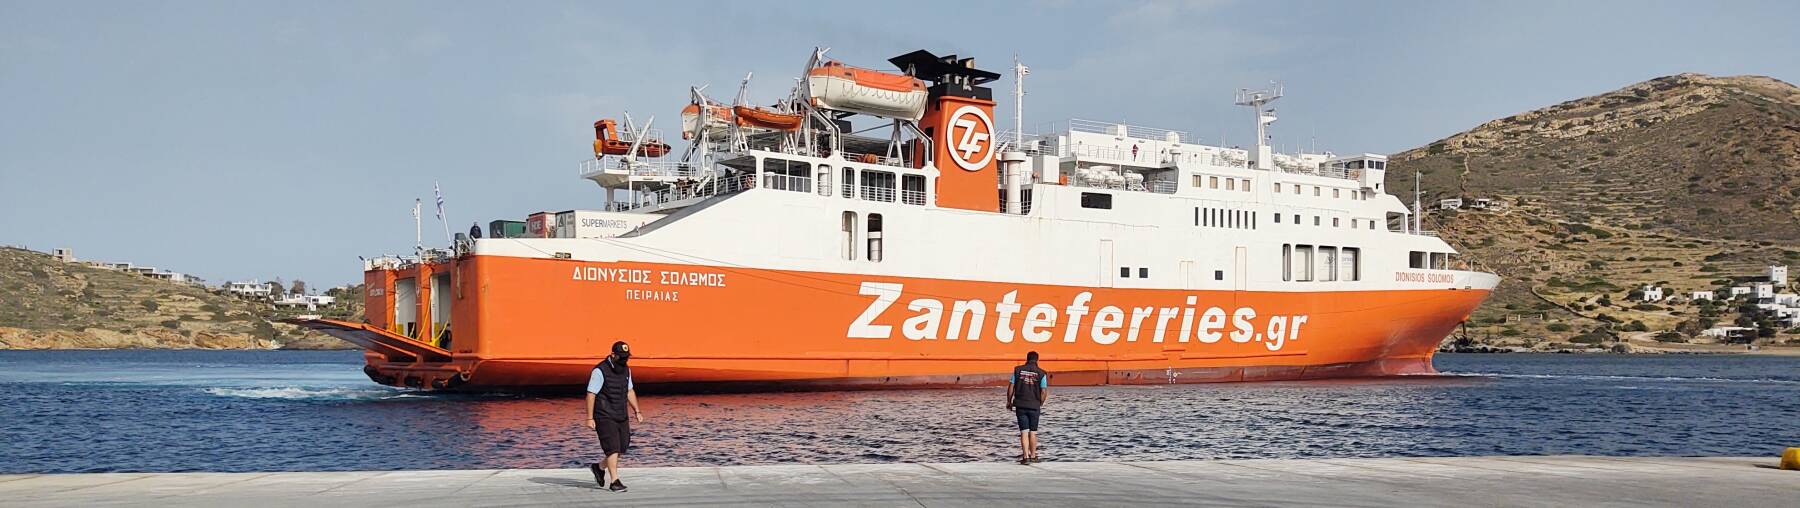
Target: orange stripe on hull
522 322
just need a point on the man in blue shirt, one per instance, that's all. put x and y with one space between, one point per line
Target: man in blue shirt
609 393
1025 396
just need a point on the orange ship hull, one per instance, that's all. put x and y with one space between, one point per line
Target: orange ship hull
530 322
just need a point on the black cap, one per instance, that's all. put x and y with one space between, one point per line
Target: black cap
621 348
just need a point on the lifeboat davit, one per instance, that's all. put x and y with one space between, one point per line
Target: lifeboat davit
607 142
720 118
767 118
841 87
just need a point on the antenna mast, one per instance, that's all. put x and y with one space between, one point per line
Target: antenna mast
1019 73
1263 156
1417 209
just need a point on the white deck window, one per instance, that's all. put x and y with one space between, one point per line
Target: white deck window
1328 264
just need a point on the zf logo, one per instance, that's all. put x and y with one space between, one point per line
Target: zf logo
974 134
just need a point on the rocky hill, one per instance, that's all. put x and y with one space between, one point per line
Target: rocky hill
48 304
1686 181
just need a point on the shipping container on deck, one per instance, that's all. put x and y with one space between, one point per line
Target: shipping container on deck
506 229
540 225
599 224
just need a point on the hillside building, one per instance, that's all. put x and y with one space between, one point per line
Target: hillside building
1450 204
63 254
1652 294
311 302
1700 295
1764 290
1737 291
1777 275
1729 332
250 289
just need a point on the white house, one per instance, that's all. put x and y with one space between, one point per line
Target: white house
1787 300
1450 204
1728 331
1764 290
312 302
1652 293
1700 295
1737 291
1778 275
250 289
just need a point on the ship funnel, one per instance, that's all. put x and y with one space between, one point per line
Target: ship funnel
959 119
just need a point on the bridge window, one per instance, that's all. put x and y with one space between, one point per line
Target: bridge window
1096 200
1416 259
1212 182
782 174
878 186
1230 184
1143 273
849 183
1124 272
912 189
1277 187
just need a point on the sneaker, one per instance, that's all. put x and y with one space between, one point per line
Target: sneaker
599 474
617 486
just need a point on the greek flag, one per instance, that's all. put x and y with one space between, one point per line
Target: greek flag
440 199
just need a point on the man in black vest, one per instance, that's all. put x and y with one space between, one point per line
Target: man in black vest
609 392
1025 396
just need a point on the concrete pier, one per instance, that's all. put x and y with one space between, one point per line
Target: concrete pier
1385 482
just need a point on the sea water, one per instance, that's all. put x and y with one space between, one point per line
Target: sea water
85 411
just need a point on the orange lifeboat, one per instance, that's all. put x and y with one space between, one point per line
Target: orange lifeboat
717 117
841 87
607 142
767 118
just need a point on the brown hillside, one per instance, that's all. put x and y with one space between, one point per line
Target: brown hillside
1683 181
48 304
1703 156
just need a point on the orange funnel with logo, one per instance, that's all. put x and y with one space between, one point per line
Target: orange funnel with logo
959 119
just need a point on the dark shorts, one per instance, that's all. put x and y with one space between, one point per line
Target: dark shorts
1028 418
615 436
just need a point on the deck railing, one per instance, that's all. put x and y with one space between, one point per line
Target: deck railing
707 188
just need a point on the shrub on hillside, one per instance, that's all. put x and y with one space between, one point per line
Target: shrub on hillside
149 304
1557 327
1674 337
1589 338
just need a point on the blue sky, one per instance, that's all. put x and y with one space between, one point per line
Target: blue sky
283 139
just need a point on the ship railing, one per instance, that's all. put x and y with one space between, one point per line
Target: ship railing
1200 158
883 194
617 165
707 188
1126 130
1125 185
787 182
912 197
1031 144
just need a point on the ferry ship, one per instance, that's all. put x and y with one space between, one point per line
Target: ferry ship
873 229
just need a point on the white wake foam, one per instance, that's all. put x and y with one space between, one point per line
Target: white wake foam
306 393
1620 378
